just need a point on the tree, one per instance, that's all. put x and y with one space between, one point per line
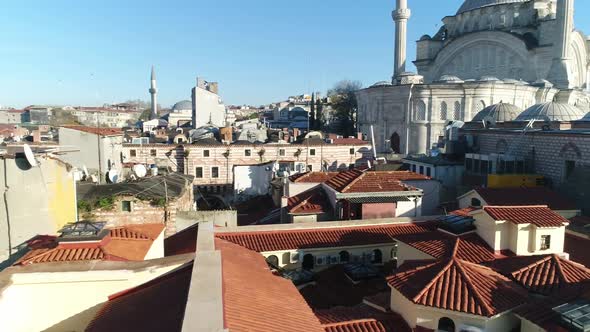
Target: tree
312 114
320 117
345 106
61 117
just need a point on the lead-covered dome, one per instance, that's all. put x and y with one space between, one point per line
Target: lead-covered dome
475 4
500 112
551 112
184 105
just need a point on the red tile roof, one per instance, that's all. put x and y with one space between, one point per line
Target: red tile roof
355 181
577 247
97 131
323 237
155 306
361 318
312 177
437 244
256 300
547 274
349 141
131 242
540 216
464 212
312 201
526 197
457 285
183 242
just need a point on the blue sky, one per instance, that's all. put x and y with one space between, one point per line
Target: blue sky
260 51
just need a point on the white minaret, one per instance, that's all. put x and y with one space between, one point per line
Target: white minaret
154 92
400 16
560 68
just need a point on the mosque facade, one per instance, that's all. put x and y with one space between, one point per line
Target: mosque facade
521 53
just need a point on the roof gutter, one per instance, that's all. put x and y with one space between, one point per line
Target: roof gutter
411 193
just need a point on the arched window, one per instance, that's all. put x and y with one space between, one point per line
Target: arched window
395 143
457 111
446 325
443 111
420 112
377 257
273 261
308 262
344 257
475 202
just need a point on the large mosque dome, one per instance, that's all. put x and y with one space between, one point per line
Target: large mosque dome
469 5
551 112
184 105
500 112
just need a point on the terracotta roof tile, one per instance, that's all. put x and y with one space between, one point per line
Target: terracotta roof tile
540 216
312 177
547 274
437 244
157 305
322 238
361 318
349 141
256 300
457 285
355 181
464 212
312 201
183 242
525 197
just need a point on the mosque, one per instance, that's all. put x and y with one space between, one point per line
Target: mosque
523 54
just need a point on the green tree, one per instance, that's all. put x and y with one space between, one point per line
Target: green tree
321 119
312 113
61 117
345 106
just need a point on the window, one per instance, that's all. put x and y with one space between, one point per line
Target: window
133 153
126 206
344 257
428 171
457 111
247 152
199 172
545 242
475 202
570 166
214 172
421 169
352 151
443 111
153 152
420 112
282 152
206 153
273 261
414 168
312 152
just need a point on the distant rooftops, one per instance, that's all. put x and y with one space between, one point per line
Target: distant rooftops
97 131
540 216
356 181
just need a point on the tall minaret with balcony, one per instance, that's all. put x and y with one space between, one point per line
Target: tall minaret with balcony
559 74
154 92
400 16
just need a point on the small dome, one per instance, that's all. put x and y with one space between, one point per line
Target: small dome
551 112
184 105
425 37
586 118
490 79
381 83
449 79
469 5
500 112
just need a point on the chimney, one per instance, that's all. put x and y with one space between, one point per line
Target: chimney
359 135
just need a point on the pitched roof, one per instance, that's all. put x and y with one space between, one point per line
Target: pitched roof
127 243
183 242
540 216
322 238
312 177
469 247
458 285
355 181
525 197
361 318
97 131
546 274
254 299
157 305
465 212
312 201
577 247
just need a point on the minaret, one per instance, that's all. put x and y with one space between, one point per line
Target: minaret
400 16
559 72
154 92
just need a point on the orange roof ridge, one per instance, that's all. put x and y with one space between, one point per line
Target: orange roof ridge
357 179
434 280
469 285
514 206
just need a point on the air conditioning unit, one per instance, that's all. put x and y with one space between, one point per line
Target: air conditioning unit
294 257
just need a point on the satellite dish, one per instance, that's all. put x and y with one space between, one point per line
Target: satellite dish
30 156
140 170
113 176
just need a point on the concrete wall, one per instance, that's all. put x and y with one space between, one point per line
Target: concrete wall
207 107
432 195
294 189
70 294
465 200
41 200
157 249
251 181
408 253
379 210
409 209
220 218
